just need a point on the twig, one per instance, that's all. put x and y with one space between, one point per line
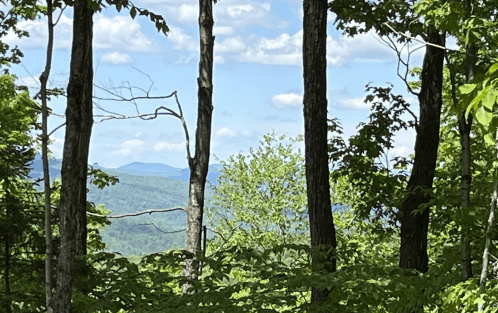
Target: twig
416 39
177 208
162 231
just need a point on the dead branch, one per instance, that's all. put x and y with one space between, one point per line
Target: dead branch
177 208
162 231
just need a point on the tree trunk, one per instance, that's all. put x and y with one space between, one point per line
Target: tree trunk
199 164
465 126
489 235
79 120
46 172
315 133
414 226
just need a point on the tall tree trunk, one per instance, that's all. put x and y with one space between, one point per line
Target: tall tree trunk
46 172
199 164
315 133
414 226
465 126
79 122
489 235
6 276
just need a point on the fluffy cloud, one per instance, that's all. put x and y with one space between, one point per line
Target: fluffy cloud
127 148
223 30
182 41
116 58
117 33
287 100
225 132
353 104
284 50
171 147
287 50
120 32
230 45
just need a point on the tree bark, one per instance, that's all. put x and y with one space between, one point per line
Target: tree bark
46 171
465 126
199 164
489 235
315 133
414 226
79 120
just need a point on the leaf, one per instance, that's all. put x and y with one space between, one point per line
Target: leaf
492 69
467 88
484 116
488 138
490 99
133 12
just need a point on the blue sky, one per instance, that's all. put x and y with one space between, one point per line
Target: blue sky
257 77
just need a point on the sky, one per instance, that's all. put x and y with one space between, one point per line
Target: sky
257 77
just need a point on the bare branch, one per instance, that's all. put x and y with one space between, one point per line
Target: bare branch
177 208
416 39
225 240
162 231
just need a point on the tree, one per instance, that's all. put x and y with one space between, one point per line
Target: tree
199 163
322 227
415 212
79 120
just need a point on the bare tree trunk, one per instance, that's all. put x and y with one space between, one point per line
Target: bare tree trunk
79 122
465 126
199 164
489 235
6 275
46 172
315 133
414 226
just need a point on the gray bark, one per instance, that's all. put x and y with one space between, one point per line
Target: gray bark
489 236
322 228
46 172
199 163
79 122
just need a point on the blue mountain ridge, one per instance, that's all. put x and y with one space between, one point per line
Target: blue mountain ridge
134 168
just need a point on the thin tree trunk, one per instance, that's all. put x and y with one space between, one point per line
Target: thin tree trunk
489 235
46 172
79 122
199 164
315 133
465 126
8 294
414 226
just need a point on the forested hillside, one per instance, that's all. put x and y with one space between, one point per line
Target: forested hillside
147 186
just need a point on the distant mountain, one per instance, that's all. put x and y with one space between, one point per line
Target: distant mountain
141 186
163 170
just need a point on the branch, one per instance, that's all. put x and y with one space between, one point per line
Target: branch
416 39
162 231
177 208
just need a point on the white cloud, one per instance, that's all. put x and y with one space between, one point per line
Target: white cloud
116 58
182 41
284 50
223 30
287 100
226 132
38 34
184 13
171 147
353 104
401 151
245 12
230 45
28 81
287 50
120 32
127 148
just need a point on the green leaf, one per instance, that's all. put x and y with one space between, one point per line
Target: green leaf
484 116
467 88
490 99
133 12
488 138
